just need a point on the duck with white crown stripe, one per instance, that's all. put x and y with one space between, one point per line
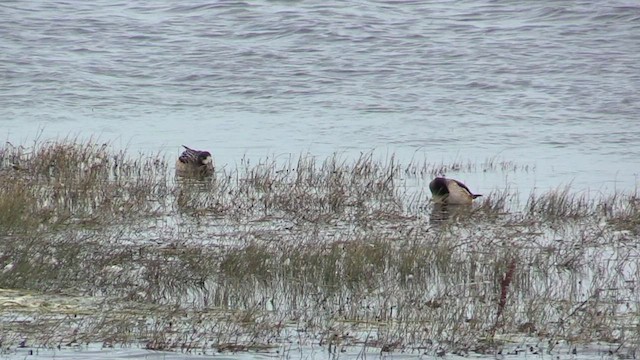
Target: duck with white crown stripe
450 191
192 162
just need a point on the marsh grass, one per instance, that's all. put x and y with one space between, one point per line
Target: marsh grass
493 164
67 181
343 253
17 204
560 204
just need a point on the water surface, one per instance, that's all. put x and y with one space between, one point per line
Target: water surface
553 85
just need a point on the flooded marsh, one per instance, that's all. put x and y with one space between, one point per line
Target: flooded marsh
99 246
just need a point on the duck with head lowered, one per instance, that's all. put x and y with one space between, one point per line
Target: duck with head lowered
194 163
450 191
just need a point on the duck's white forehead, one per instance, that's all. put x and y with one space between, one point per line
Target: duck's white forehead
208 160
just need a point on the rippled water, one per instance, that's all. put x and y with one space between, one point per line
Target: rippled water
551 85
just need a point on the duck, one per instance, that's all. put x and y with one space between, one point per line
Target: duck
192 162
451 191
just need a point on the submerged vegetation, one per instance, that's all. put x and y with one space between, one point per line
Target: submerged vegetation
98 246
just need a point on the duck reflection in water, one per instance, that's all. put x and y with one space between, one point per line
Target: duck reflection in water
443 213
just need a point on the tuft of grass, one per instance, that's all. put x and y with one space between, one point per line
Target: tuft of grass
559 204
17 205
62 182
623 212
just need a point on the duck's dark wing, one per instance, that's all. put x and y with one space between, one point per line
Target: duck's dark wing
189 156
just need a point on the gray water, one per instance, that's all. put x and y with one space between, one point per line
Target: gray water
552 85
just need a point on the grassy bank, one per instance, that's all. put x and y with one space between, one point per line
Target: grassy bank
100 246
